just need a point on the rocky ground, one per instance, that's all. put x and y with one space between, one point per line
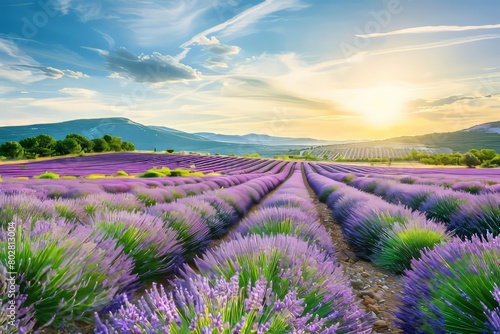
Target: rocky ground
375 288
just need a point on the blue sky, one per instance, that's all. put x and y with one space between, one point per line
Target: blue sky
334 69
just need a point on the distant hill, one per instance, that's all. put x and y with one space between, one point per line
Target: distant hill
485 135
254 138
144 137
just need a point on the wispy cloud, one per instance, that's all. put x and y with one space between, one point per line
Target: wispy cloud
416 47
430 29
246 18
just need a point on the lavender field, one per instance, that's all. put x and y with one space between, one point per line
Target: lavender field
166 243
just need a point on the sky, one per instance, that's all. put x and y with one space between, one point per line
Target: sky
326 69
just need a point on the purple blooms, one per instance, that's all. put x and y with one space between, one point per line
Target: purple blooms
288 221
442 205
69 272
480 216
155 248
403 242
472 187
324 287
453 288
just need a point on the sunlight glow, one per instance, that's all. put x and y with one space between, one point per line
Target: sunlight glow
381 106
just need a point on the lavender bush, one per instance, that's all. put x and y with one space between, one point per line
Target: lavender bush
290 264
155 249
68 273
453 289
480 216
399 245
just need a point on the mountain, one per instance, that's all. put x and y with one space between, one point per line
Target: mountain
254 138
144 137
493 127
480 136
485 135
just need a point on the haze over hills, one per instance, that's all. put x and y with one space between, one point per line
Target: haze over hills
151 137
485 135
253 138
144 137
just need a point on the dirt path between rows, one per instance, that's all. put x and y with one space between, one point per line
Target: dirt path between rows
375 288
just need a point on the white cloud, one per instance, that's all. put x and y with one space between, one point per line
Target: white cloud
431 29
154 68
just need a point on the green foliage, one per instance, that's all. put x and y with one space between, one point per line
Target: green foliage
470 160
48 175
324 195
68 146
11 150
348 178
152 173
121 173
127 146
86 144
100 145
399 246
170 150
251 155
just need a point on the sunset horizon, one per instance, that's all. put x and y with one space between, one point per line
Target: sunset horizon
291 68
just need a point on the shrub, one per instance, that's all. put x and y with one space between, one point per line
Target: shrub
348 178
398 246
48 175
215 305
121 173
193 232
472 187
407 180
441 206
288 221
68 273
363 227
292 265
453 289
155 249
326 192
480 215
152 173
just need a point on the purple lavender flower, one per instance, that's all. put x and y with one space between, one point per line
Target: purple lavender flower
480 216
289 221
155 249
453 288
324 287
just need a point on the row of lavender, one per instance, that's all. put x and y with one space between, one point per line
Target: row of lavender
450 285
277 274
475 181
71 265
463 213
134 163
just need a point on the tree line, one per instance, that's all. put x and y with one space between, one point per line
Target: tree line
46 146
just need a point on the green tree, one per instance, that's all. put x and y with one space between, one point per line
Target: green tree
470 160
100 145
170 150
68 146
11 149
86 144
29 145
115 143
127 146
487 154
46 145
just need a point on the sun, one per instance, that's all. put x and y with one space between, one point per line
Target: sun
381 106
